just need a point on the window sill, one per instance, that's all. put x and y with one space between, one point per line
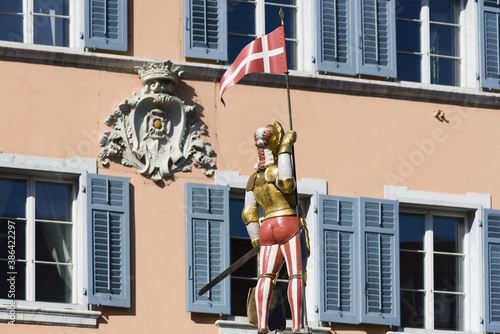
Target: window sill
426 331
48 316
240 326
62 56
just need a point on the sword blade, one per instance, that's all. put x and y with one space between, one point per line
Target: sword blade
238 263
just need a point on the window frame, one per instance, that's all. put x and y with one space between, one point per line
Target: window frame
76 24
260 26
468 39
31 180
472 205
76 313
429 290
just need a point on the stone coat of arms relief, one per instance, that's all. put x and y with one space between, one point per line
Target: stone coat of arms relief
155 131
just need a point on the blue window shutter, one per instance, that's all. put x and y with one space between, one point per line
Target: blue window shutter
380 261
489 27
334 36
207 247
205 29
377 38
491 230
106 24
339 276
108 240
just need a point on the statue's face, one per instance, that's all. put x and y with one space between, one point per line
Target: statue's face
157 125
262 137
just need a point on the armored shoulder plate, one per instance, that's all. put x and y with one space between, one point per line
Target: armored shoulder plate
271 173
251 182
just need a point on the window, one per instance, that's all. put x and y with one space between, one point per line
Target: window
48 22
41 214
67 223
102 25
432 255
428 41
250 19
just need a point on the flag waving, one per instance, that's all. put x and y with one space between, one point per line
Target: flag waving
265 54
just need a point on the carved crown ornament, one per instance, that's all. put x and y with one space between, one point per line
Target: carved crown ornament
155 131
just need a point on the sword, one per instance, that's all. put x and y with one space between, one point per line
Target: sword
238 263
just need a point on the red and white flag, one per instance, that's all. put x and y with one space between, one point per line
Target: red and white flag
265 54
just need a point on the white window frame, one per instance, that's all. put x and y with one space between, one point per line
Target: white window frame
308 187
303 44
473 267
76 27
77 313
468 44
429 260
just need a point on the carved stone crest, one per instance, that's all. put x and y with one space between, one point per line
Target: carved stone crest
155 131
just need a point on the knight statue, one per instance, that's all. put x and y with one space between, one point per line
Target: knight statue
272 187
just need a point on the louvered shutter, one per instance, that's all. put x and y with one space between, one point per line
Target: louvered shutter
380 263
205 29
377 38
106 24
339 277
207 247
491 230
489 27
335 38
108 240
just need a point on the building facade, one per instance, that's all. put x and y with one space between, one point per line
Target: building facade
122 184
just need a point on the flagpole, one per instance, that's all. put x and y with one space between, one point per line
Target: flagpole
306 322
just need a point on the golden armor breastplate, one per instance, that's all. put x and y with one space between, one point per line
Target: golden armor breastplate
274 202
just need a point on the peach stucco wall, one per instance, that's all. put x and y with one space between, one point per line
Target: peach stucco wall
358 144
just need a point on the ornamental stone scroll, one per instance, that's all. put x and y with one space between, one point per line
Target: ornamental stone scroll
155 131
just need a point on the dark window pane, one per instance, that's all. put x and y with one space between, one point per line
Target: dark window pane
11 28
238 248
239 293
291 55
12 197
235 45
409 67
11 6
53 201
273 20
412 309
444 40
16 290
53 242
448 272
52 7
411 231
237 226
408 36
241 18
444 71
282 289
448 233
17 230
443 11
50 31
412 270
282 2
448 312
408 9
53 283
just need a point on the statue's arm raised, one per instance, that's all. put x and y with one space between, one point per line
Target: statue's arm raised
250 216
